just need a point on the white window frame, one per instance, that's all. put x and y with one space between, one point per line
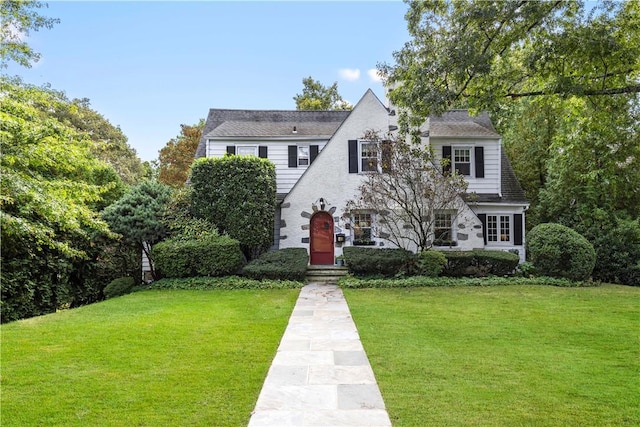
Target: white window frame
361 158
455 148
452 225
497 228
356 219
302 161
247 148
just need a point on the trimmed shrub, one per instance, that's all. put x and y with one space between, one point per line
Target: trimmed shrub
421 281
224 283
378 262
238 195
480 263
431 263
118 287
211 255
617 252
558 251
283 264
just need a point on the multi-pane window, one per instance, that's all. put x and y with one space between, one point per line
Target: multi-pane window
442 227
462 161
498 228
362 229
246 150
368 157
303 155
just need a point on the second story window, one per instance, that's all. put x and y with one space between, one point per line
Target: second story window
368 157
246 150
303 155
462 161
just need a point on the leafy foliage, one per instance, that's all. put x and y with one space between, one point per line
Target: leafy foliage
210 255
53 240
238 195
119 286
178 154
225 283
316 96
384 262
480 263
431 263
422 281
559 251
283 264
17 19
137 216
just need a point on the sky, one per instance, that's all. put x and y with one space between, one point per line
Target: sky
150 66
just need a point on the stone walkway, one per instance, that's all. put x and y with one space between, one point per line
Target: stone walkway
320 375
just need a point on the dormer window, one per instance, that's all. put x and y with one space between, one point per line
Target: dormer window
462 161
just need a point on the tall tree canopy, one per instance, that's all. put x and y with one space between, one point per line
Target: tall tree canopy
178 154
316 96
17 19
477 53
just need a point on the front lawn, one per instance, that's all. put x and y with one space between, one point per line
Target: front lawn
153 358
504 356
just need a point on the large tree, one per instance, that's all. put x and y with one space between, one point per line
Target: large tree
407 193
51 190
178 154
316 96
17 19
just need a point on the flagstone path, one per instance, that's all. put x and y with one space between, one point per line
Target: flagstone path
320 375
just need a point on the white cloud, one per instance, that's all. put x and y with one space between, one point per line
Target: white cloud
349 74
374 75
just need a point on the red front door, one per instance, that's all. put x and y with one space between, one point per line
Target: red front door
321 239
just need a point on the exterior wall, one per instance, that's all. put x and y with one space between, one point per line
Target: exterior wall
277 152
490 184
509 210
329 178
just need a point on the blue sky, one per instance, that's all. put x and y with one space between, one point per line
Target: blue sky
150 66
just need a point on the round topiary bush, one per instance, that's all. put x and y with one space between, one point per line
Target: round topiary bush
431 263
559 251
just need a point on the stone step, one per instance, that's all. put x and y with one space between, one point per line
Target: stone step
325 273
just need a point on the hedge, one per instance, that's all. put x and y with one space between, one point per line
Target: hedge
384 262
480 263
118 287
559 251
283 264
224 283
211 255
422 281
431 263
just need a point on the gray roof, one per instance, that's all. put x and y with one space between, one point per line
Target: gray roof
271 129
512 192
278 122
458 123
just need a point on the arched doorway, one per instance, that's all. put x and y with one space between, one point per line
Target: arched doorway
321 241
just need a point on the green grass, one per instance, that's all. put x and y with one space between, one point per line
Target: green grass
504 356
153 358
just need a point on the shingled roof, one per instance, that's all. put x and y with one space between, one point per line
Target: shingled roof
458 123
269 123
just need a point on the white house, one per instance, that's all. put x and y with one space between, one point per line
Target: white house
319 156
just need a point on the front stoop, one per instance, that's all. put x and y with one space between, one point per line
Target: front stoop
325 273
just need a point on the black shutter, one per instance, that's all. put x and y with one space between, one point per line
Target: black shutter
446 154
353 156
479 162
231 150
517 229
262 152
313 153
293 156
386 156
483 219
